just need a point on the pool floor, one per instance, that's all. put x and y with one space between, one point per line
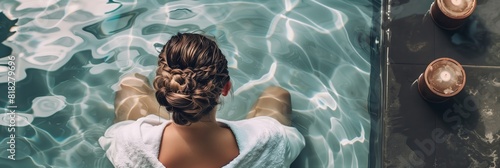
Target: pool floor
70 55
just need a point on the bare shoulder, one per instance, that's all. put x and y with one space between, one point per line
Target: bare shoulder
172 150
231 145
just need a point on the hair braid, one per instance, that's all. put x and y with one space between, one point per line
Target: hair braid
191 74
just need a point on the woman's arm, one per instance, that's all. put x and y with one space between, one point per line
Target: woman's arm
275 103
136 99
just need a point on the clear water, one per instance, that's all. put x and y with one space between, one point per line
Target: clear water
71 54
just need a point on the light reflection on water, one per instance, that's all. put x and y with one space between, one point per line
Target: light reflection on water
71 54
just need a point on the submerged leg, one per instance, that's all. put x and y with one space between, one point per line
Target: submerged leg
273 102
136 99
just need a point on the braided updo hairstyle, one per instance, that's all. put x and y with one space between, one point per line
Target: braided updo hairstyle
191 74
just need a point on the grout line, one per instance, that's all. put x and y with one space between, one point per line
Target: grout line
463 65
481 66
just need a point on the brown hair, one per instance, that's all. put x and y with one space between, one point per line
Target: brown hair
191 74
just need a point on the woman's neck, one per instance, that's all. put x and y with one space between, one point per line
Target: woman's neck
206 127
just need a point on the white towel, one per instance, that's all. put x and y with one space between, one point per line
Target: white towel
262 142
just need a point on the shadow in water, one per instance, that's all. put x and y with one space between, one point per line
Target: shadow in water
5 25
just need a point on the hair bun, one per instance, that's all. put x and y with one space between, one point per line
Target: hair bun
191 74
177 80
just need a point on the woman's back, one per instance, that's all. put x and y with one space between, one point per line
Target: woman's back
206 147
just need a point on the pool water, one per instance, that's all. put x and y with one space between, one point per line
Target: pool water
70 55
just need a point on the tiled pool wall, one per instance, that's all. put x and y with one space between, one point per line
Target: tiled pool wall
376 97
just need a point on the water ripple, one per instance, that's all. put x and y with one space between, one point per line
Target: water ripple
318 50
15 119
114 24
181 14
47 105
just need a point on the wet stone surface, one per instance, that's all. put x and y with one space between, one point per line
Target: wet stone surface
463 131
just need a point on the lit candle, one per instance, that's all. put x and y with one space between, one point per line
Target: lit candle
456 2
445 76
442 79
451 14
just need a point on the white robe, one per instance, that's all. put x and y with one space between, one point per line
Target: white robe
262 142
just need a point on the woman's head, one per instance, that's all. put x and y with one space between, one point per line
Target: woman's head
191 74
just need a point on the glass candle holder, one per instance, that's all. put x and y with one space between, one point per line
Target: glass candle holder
451 14
442 79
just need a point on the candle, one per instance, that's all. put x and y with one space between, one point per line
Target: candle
445 76
456 2
442 79
451 14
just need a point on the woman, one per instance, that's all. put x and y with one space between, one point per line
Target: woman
192 73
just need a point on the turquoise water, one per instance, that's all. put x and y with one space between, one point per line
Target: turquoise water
70 55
